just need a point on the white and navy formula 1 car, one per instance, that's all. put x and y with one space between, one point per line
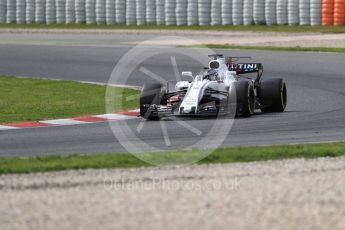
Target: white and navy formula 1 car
219 89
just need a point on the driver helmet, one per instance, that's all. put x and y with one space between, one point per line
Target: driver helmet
211 75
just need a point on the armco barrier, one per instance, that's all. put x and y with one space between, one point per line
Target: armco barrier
174 12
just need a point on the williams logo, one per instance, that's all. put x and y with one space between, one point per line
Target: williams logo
244 66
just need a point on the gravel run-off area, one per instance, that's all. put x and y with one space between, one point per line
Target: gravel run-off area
291 194
240 38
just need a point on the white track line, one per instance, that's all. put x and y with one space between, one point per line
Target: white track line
4 127
64 122
115 117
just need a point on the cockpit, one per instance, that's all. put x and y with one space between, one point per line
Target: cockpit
208 74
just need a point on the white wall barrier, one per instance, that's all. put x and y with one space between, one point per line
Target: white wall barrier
21 11
151 11
204 12
271 12
227 12
131 12
216 12
70 11
315 12
293 12
90 11
170 15
3 5
141 12
80 16
40 12
11 11
160 12
282 12
50 12
110 12
30 11
192 13
60 11
237 12
120 10
163 12
304 12
100 12
181 12
259 12
248 12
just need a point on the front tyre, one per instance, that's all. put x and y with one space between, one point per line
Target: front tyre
151 94
272 95
245 99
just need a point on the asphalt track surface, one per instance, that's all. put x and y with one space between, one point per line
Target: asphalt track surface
315 111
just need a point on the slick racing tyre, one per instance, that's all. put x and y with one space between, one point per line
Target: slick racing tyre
272 95
245 99
151 94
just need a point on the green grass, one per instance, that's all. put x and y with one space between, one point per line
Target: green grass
270 48
257 28
113 160
24 99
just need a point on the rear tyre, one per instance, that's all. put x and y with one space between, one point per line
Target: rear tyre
272 95
151 94
245 98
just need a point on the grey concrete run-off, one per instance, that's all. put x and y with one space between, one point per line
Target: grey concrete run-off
294 194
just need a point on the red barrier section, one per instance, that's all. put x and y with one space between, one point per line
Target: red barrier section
327 12
339 12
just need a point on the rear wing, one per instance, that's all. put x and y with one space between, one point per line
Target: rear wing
241 68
